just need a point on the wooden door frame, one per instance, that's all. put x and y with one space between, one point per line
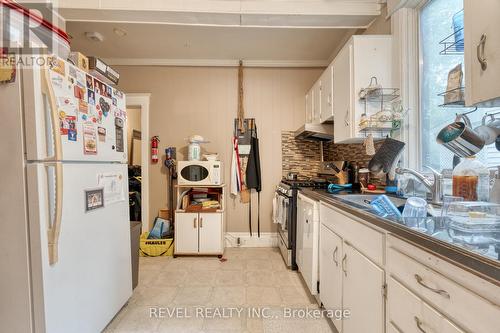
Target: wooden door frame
142 101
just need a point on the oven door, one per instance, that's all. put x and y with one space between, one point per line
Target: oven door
284 217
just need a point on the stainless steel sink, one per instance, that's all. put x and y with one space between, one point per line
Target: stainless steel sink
365 199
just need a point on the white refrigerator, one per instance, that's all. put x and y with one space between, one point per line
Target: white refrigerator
65 231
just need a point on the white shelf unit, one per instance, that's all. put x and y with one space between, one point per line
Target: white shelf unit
200 232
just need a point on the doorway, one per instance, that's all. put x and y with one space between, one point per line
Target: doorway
138 157
134 143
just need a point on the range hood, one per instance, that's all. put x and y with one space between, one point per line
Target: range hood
315 132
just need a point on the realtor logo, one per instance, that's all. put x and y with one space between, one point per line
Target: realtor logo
25 30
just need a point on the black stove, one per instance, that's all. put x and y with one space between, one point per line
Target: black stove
288 190
310 183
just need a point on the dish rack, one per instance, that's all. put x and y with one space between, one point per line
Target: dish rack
376 98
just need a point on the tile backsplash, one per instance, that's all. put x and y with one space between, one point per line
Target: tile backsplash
304 157
299 156
352 152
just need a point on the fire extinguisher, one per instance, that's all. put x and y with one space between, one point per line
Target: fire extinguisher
154 148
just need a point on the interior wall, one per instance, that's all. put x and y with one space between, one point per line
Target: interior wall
133 123
203 100
380 26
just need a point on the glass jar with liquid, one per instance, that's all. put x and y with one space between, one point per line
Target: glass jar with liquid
471 180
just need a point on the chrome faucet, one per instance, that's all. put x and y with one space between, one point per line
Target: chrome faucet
435 187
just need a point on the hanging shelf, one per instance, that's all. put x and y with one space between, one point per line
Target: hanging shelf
452 45
459 103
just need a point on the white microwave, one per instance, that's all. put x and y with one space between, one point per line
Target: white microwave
199 173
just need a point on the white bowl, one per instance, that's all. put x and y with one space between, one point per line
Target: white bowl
211 157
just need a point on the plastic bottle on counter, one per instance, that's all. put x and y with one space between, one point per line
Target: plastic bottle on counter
471 180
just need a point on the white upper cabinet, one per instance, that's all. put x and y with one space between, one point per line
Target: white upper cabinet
309 106
482 52
342 91
363 57
326 111
316 107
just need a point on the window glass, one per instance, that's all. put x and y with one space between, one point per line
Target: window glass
436 23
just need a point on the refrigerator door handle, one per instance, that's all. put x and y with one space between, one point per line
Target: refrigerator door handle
50 102
54 182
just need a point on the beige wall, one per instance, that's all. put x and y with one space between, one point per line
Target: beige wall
200 100
380 26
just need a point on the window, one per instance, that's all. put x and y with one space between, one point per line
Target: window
436 23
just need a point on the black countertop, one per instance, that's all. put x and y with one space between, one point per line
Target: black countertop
478 264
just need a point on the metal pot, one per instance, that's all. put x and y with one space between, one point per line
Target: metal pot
460 139
292 176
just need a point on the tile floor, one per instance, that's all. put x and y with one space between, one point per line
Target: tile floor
251 278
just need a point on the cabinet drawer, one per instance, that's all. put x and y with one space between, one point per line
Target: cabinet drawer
366 240
464 307
410 314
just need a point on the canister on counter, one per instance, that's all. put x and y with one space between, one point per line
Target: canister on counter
364 177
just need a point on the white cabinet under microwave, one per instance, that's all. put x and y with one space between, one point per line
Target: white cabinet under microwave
199 173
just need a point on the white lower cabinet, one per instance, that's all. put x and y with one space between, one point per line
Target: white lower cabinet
362 292
348 279
424 293
410 314
186 233
330 271
199 233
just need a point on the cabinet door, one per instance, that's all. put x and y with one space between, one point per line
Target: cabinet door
316 102
415 315
327 95
210 226
309 106
186 233
330 273
342 82
363 284
481 19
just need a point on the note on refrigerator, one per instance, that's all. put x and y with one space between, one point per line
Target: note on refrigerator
112 183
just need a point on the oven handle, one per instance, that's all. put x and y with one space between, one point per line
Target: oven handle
282 195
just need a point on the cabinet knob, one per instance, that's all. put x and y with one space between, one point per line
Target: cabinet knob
344 260
480 52
194 222
419 324
335 253
201 222
441 292
346 118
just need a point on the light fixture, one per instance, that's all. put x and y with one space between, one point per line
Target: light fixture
119 32
94 36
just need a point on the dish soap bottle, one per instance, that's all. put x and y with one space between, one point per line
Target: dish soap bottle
471 180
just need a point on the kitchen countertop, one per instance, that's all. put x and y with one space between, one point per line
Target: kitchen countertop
476 263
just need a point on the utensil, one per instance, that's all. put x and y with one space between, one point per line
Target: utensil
447 201
460 139
415 212
489 131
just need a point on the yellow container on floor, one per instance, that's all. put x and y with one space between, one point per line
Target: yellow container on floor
155 247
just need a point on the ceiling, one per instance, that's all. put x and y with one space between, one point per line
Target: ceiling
164 43
290 33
